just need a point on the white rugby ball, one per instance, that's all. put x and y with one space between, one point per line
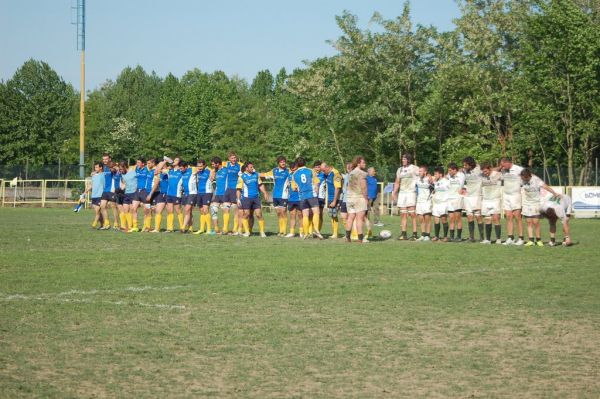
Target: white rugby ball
385 234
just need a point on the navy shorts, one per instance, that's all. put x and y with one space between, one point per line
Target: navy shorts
309 203
189 199
230 195
108 196
343 208
203 199
250 203
293 205
96 201
280 202
321 203
159 198
119 196
218 199
129 198
172 199
140 195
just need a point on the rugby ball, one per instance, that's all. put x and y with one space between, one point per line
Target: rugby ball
385 234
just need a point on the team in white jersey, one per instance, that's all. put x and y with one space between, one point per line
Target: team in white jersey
472 197
405 195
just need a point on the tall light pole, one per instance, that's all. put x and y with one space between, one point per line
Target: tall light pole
80 7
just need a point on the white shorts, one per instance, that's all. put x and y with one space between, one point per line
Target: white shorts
529 210
355 205
440 209
424 208
455 204
407 200
472 204
511 202
490 207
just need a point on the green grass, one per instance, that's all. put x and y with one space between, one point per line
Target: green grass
102 314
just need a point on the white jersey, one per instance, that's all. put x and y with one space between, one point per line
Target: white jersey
491 186
441 188
457 182
512 180
473 179
423 189
532 191
561 206
408 175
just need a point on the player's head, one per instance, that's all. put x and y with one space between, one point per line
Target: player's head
506 162
486 168
293 166
281 161
317 165
359 161
349 167
151 162
371 171
526 175
300 162
325 168
123 167
469 163
452 168
106 158
248 167
176 161
201 164
438 172
98 167
216 163
407 159
550 214
113 166
139 162
183 165
232 156
423 170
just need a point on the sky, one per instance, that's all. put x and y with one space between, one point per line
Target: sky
237 37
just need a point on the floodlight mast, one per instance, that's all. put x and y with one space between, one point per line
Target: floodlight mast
80 7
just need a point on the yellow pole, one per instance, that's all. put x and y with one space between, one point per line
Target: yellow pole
82 118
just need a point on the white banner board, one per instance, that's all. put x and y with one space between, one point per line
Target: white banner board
586 201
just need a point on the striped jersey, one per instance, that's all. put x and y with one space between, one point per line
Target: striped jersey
333 181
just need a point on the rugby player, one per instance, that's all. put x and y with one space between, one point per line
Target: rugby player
281 180
372 188
218 200
108 195
233 168
424 202
491 197
557 208
531 205
333 184
97 188
158 194
321 191
142 173
293 205
248 197
189 184
405 193
511 197
441 186
471 193
343 208
129 182
204 197
457 183
357 199
307 184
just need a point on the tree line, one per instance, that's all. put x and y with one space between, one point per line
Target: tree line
517 78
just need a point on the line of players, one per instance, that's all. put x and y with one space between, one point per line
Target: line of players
234 189
482 192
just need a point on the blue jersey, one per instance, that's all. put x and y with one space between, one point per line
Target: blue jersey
305 180
333 180
150 180
294 196
233 173
164 183
281 182
221 180
249 184
189 181
98 182
142 176
116 182
174 187
131 181
108 176
371 187
204 182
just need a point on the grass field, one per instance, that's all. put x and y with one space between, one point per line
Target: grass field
103 314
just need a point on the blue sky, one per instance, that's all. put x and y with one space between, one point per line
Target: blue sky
237 37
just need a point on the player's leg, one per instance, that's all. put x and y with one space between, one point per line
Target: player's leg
403 223
293 218
426 226
160 206
360 222
529 221
517 214
259 217
316 211
444 218
179 212
509 215
566 232
538 232
349 224
170 216
97 215
226 207
413 219
452 218
497 227
134 212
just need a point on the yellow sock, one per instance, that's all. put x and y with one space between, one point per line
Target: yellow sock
170 221
202 221
261 225
123 219
157 220
316 221
207 222
129 217
334 227
246 226
305 224
180 220
225 222
354 233
292 230
134 217
94 223
310 226
235 223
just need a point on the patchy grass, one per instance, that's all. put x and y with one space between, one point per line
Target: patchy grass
101 314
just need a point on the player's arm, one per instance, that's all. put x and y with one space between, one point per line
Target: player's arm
337 184
155 185
263 190
550 190
395 190
239 187
266 175
364 189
